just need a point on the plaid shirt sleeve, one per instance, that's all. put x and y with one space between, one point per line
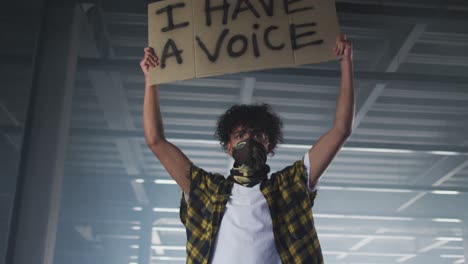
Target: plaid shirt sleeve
202 185
297 172
200 211
297 240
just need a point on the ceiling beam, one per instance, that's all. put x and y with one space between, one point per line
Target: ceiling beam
247 90
293 75
113 209
442 170
112 98
435 149
423 13
14 122
432 59
95 38
408 44
290 75
378 188
393 66
465 239
11 118
426 11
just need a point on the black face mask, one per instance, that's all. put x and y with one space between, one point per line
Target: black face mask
250 159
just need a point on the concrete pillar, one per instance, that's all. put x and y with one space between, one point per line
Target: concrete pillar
8 170
37 200
146 231
465 238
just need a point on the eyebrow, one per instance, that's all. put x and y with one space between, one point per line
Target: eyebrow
238 132
243 131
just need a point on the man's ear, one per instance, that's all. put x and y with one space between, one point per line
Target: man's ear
229 148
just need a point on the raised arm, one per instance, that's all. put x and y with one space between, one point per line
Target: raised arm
171 157
326 148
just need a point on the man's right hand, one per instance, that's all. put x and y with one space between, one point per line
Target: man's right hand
150 59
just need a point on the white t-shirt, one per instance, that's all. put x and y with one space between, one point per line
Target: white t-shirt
246 231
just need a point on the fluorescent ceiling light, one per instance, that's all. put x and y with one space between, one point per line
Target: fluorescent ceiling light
369 254
193 141
452 256
170 229
135 246
364 217
182 248
294 146
161 181
447 220
167 210
449 239
379 150
445 153
136 228
378 190
137 208
445 192
306 146
362 236
365 189
168 258
139 180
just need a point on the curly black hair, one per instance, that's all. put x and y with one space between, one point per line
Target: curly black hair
253 116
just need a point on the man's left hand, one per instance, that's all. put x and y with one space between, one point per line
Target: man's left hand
343 48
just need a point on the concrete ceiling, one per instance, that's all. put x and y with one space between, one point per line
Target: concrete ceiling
396 193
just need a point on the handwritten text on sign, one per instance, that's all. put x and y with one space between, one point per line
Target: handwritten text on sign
197 38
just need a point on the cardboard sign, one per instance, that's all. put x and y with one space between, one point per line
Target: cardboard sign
198 38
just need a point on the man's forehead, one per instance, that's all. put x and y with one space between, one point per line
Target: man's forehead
240 129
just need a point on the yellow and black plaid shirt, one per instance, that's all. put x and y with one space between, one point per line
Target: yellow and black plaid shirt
290 205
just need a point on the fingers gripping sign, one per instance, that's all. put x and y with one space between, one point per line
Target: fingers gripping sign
343 48
150 60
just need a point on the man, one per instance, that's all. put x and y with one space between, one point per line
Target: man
249 217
